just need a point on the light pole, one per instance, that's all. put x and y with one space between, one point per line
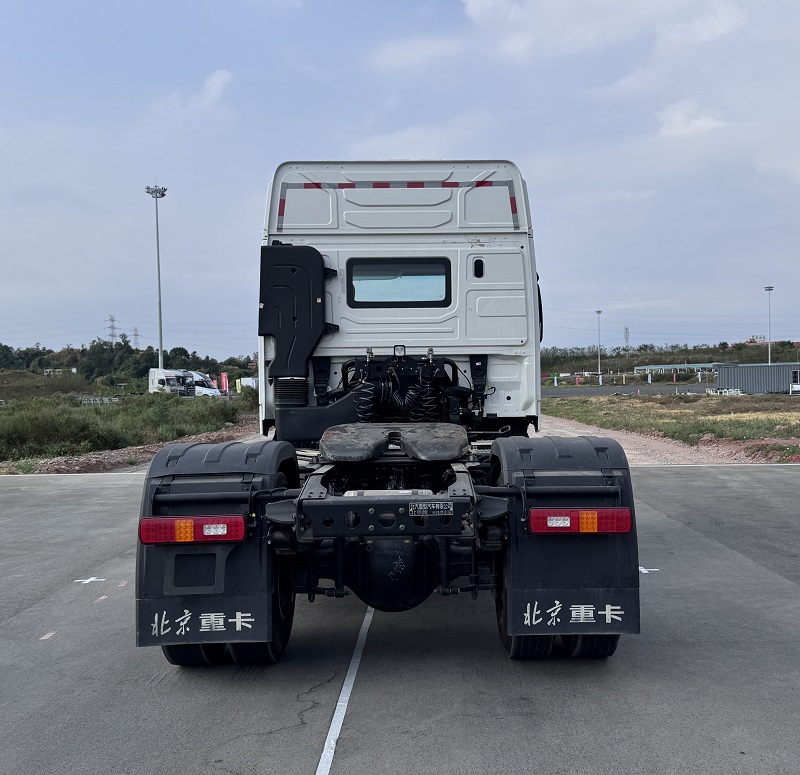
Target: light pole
769 289
158 192
598 343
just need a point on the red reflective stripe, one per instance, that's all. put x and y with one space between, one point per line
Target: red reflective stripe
513 201
347 185
281 207
450 184
481 183
416 184
312 185
382 184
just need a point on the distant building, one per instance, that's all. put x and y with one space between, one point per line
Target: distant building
759 340
58 372
759 377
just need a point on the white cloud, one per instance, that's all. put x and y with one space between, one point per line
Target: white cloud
390 101
633 170
677 44
316 74
448 139
722 18
640 81
207 104
527 27
684 118
417 52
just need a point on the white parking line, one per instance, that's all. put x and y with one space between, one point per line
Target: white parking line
48 635
325 761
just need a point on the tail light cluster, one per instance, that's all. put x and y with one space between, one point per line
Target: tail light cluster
613 520
178 530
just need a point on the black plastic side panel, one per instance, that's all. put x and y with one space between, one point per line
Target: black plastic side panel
210 592
292 305
306 424
574 583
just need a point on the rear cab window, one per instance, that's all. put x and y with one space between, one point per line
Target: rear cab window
401 282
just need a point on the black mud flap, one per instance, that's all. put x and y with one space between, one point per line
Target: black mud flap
215 592
203 619
583 583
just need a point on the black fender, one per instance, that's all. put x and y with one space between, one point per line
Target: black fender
263 457
567 583
215 592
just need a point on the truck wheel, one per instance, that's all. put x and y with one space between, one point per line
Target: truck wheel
269 652
591 646
520 646
195 654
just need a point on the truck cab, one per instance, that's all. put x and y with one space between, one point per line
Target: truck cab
203 385
176 381
397 290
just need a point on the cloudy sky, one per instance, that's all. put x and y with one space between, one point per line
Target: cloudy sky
660 141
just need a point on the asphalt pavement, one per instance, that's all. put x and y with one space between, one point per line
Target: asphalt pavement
712 685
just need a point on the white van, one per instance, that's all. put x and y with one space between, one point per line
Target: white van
203 386
178 381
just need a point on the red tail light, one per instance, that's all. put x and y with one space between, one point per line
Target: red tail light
579 520
179 530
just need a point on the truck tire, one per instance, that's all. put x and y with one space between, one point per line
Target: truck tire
590 646
269 652
520 646
195 654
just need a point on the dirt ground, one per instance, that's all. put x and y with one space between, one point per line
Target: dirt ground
641 450
655 450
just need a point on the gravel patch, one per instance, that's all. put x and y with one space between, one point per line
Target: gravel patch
644 450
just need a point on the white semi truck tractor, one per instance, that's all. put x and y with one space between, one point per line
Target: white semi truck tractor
399 323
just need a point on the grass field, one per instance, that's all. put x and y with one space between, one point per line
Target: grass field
768 422
49 426
54 426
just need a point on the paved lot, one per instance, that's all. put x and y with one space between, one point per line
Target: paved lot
712 685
